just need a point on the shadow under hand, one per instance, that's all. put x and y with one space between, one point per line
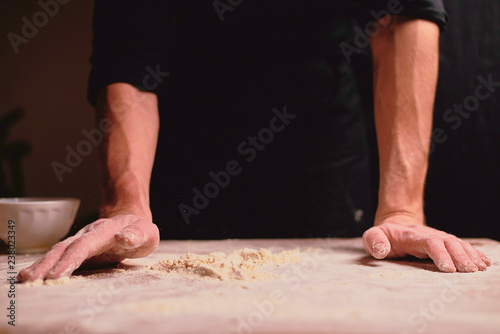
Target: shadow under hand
105 270
425 264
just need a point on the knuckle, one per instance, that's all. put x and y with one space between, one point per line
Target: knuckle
433 243
466 244
449 239
409 235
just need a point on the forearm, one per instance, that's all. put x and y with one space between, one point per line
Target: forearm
405 62
127 154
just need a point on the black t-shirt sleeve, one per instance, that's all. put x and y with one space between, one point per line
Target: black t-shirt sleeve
366 11
130 39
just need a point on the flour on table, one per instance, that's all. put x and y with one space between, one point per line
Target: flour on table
57 281
241 264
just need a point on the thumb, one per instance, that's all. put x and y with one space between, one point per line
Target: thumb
376 242
130 237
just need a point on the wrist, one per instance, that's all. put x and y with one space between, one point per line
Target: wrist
125 203
401 193
107 211
127 194
400 216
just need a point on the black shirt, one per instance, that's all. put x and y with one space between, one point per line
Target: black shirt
263 87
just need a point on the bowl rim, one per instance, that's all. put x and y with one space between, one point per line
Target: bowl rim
35 200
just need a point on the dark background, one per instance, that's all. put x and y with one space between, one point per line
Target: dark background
463 193
48 78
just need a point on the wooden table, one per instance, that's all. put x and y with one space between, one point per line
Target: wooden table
335 288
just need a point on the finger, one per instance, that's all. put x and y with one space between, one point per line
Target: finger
27 274
474 256
376 242
138 239
485 259
437 251
131 236
40 268
96 241
460 258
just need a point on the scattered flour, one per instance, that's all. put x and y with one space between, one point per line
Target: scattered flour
242 264
58 281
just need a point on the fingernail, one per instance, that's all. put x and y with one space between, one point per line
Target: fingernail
446 267
380 250
67 272
130 238
50 275
22 276
469 267
126 238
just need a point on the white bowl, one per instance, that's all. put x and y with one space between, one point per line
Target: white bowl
39 222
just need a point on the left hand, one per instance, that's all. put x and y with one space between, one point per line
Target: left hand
400 235
103 242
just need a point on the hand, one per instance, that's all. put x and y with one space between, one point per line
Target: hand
402 235
104 242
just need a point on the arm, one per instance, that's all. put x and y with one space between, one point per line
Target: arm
405 65
127 154
126 158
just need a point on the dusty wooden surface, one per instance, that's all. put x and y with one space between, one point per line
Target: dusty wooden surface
336 288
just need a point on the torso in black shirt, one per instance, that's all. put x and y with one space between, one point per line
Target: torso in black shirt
225 78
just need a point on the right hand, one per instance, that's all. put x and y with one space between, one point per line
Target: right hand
399 235
105 241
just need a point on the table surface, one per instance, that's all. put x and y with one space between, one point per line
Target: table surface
335 288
